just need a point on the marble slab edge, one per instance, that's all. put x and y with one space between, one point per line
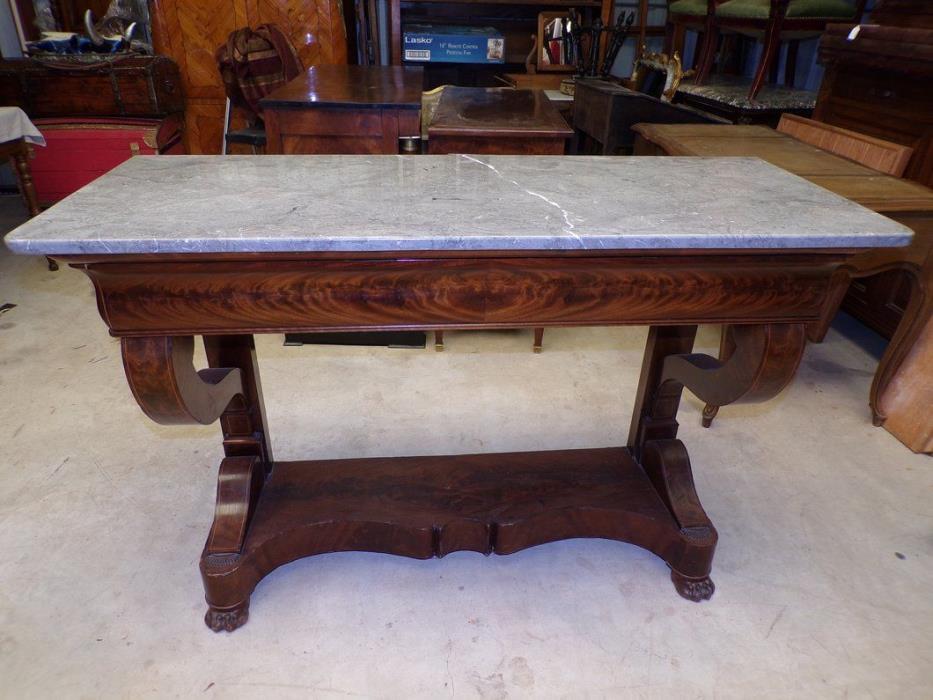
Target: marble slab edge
419 245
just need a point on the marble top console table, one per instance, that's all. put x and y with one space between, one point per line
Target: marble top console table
436 242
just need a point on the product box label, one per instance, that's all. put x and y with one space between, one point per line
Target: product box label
437 44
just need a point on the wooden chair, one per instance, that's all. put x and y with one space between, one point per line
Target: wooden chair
692 15
772 21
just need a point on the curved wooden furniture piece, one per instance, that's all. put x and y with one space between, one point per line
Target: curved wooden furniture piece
269 513
239 484
888 388
906 345
761 362
425 507
166 386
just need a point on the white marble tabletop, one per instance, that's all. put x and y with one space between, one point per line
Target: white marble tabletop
208 204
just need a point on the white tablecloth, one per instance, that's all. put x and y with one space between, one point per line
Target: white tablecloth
14 124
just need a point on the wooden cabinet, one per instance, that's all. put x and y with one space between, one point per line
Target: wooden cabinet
191 32
878 84
879 301
903 13
345 110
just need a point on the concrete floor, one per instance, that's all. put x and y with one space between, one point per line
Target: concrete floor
823 571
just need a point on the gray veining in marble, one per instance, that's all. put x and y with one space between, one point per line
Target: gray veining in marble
188 204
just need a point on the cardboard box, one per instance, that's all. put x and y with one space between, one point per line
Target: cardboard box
443 44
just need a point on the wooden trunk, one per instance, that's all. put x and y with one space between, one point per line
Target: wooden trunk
131 86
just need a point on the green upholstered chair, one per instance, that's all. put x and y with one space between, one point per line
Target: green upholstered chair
773 21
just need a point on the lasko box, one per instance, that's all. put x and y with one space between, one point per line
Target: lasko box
443 44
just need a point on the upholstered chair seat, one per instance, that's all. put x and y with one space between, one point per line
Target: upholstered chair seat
688 7
796 9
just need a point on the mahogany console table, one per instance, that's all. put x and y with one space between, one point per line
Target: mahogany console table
345 109
902 389
400 242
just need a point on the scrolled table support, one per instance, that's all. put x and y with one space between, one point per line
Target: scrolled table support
162 377
166 386
755 363
760 360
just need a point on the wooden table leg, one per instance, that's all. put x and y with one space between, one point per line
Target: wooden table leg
539 340
763 360
21 166
652 440
20 161
243 473
165 384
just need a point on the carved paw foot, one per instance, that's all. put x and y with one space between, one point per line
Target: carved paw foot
227 619
709 413
695 589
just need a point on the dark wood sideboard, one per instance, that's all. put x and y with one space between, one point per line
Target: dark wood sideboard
879 84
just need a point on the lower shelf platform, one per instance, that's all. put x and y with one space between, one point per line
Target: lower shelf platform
431 506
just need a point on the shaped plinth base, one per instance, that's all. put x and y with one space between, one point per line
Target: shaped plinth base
423 507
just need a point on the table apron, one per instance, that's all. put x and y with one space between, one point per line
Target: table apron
171 298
